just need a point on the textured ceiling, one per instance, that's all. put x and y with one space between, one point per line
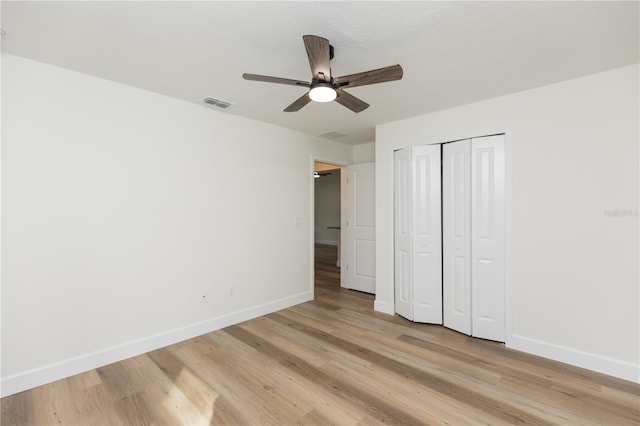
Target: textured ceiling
452 52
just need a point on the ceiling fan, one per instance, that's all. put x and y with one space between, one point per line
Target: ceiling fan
323 86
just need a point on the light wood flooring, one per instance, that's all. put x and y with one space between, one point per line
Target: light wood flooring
331 361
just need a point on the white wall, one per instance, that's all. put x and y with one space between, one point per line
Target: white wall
120 207
327 207
364 153
574 150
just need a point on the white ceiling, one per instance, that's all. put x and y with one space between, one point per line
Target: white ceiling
452 53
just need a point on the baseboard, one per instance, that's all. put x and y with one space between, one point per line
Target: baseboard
50 373
601 364
384 307
327 242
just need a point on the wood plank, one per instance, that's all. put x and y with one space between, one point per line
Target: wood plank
500 409
377 408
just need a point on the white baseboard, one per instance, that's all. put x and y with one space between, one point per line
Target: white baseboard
384 307
601 364
60 370
327 242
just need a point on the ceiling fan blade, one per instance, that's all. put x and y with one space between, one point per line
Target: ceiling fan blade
318 53
266 78
298 103
348 100
381 75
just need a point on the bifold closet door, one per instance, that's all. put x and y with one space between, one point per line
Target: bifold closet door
402 233
426 234
473 226
488 237
450 268
417 233
456 235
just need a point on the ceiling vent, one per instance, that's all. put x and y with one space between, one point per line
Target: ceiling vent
217 102
332 135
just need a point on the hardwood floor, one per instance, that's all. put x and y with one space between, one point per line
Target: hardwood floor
331 361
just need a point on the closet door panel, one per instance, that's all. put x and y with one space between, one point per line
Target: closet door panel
402 233
487 239
456 234
427 236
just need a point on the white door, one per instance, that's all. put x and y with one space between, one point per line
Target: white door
426 234
456 235
358 232
487 237
402 233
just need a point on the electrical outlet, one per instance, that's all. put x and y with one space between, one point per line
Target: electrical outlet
204 296
231 290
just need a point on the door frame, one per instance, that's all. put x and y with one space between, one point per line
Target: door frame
508 217
312 219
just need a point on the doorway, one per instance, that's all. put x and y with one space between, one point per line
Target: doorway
344 220
326 226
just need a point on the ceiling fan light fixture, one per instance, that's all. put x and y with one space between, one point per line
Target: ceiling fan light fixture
322 92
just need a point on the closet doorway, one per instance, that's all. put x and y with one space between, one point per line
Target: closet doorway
449 235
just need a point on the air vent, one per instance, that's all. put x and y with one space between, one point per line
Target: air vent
217 102
332 135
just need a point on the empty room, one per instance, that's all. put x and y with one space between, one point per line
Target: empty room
274 212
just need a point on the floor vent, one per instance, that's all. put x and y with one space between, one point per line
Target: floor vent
217 102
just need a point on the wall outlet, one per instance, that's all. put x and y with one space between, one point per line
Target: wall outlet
231 290
204 296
